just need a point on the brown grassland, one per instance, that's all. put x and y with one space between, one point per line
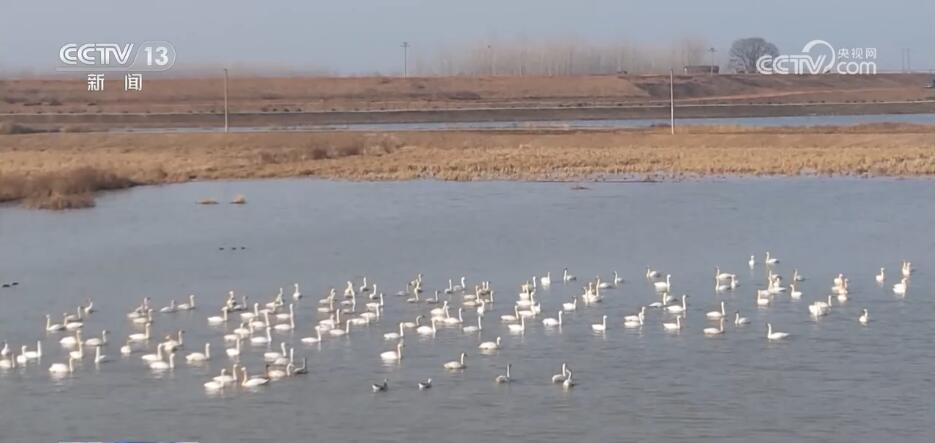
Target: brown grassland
62 170
251 93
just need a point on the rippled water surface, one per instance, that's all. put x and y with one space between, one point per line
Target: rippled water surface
832 380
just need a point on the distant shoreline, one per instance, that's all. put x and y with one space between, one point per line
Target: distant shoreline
63 170
270 120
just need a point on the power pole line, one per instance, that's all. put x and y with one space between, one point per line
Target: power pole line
671 102
493 60
226 111
405 47
711 68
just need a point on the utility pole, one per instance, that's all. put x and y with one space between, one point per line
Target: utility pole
711 68
405 47
671 102
226 110
493 62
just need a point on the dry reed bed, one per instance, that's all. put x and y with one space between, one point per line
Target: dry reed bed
62 170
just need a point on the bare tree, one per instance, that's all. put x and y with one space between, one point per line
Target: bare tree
746 51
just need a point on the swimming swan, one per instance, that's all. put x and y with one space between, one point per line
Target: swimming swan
600 327
490 345
714 315
456 364
393 355
504 378
770 335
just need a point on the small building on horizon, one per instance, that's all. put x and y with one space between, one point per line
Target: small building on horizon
701 69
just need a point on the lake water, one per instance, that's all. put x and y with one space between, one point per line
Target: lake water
832 380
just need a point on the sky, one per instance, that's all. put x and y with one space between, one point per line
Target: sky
364 36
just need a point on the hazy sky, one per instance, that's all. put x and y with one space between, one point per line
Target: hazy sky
358 36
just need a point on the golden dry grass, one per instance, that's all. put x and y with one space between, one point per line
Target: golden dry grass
47 166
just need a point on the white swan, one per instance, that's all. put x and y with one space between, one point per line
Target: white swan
160 365
226 379
173 344
722 276
796 276
901 287
287 326
187 306
8 363
296 294
770 260
52 327
603 284
287 315
423 385
881 277
196 357
558 378
738 320
490 345
471 329
570 306
552 322
98 357
393 355
864 318
569 382
664 285
770 335
794 293
504 378
394 335
907 268
617 278
98 341
678 309
141 337
62 368
313 340
149 358
337 332
34 355
235 351
127 348
451 321
715 331
714 315
566 276
547 280
752 262
635 317
219 319
511 318
426 330
251 382
456 364
262 339
600 327
169 309
518 328
631 322
71 340
673 326
651 274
